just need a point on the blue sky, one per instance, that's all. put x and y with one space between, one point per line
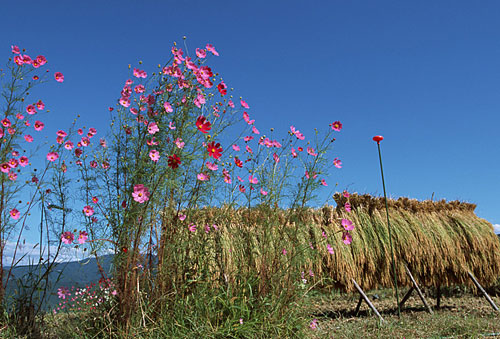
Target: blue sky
425 75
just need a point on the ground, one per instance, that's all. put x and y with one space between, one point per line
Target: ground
463 314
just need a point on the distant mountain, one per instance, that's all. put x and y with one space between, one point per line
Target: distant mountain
68 274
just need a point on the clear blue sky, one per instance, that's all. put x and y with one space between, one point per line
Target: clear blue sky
424 74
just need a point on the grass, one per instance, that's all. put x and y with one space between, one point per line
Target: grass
462 315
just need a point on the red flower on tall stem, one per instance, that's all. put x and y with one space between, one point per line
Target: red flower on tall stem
174 161
378 138
203 125
214 150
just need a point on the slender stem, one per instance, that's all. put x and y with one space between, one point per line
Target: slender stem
390 236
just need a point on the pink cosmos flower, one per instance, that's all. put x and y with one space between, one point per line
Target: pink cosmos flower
346 238
79 131
249 150
63 292
244 104
263 192
67 237
11 130
88 210
95 200
211 166
329 248
68 145
240 179
348 225
294 153
153 128
182 217
230 103
211 48
154 155
283 251
314 324
15 49
6 122
202 177
52 156
276 158
19 116
4 167
311 151
246 117
12 176
297 133
179 143
323 182
171 125
255 130
59 76
247 138
201 53
347 207
30 109
15 214
102 142
141 193
40 105
168 107
242 188
236 148
192 227
227 176
253 180
39 125
337 163
336 126
82 238
140 73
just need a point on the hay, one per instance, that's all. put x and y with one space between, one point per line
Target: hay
439 241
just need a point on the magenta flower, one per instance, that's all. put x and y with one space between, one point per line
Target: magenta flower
30 109
211 48
182 217
202 177
63 292
346 194
255 130
347 207
311 151
329 248
253 180
263 192
39 125
201 53
59 76
153 128
244 104
154 155
211 166
314 324
249 150
337 163
40 105
348 225
246 117
346 238
192 227
168 107
88 210
15 49
276 158
141 193
15 214
23 161
179 143
82 238
52 156
236 148
323 182
67 237
336 126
